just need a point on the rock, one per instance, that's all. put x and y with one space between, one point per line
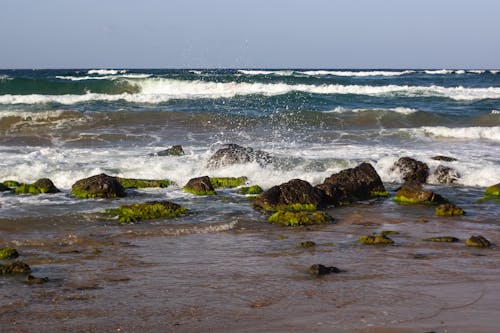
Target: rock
172 151
228 182
15 267
300 218
306 244
11 183
8 253
294 195
30 279
411 170
143 183
375 240
446 175
477 241
320 270
4 188
98 186
449 210
200 186
444 158
235 154
413 193
351 185
42 185
249 190
493 191
147 210
443 239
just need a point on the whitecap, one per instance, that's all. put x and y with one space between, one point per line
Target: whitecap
106 71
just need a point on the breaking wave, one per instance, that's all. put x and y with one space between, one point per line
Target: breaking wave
106 71
474 133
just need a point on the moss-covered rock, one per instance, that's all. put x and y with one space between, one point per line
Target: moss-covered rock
200 186
228 182
251 190
376 194
294 192
477 241
306 244
294 219
442 239
4 188
375 240
143 183
147 210
449 210
172 151
15 267
320 270
11 183
8 253
42 185
493 190
98 186
413 193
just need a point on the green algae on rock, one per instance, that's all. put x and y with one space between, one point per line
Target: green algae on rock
449 210
299 218
147 210
144 183
306 244
228 182
251 190
477 241
199 186
379 194
98 186
42 185
11 183
375 240
493 190
442 239
15 267
413 193
8 253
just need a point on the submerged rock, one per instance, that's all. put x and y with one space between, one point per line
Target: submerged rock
147 210
296 192
411 170
236 154
444 158
300 218
449 209
8 253
200 186
389 232
354 184
414 193
477 241
143 183
442 239
306 244
15 267
42 185
375 240
98 186
172 151
320 270
446 175
228 182
30 279
252 190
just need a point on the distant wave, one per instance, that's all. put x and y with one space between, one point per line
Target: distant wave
5 77
357 73
457 71
157 90
106 71
400 110
106 77
475 133
264 72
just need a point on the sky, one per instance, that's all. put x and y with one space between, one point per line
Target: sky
250 34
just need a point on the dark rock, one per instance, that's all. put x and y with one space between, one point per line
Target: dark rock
449 209
411 170
319 270
306 244
295 192
42 185
172 151
200 186
446 175
351 185
98 186
235 154
30 279
477 241
4 188
444 158
414 193
15 267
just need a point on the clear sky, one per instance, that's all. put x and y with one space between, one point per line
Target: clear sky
252 33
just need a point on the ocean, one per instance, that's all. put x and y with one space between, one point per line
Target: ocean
224 260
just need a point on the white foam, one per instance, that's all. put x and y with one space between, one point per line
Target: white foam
476 71
494 71
5 77
106 71
475 133
265 72
106 77
157 90
439 72
32 115
400 110
357 73
495 111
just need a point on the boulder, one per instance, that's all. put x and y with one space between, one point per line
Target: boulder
449 209
446 175
477 241
42 185
296 194
414 193
300 218
200 186
147 210
351 185
236 154
444 158
172 151
411 170
98 186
